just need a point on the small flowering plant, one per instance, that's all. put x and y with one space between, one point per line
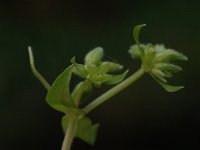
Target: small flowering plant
156 60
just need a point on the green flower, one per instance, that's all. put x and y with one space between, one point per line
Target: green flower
157 60
97 71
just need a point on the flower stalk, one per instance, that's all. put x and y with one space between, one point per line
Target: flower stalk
113 91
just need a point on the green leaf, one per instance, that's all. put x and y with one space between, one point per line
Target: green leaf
78 69
169 88
136 35
85 130
58 95
116 78
136 32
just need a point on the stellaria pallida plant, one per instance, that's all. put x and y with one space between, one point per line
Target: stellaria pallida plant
156 60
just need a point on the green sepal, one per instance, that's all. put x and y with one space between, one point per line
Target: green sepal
116 78
97 75
136 35
91 69
85 130
168 74
169 55
58 96
102 68
78 69
167 87
101 79
168 67
159 74
112 67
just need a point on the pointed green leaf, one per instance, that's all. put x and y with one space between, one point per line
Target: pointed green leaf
169 88
58 95
116 78
136 35
136 32
85 130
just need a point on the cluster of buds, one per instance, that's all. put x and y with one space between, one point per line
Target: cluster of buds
96 71
157 60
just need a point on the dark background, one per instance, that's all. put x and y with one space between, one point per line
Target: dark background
143 116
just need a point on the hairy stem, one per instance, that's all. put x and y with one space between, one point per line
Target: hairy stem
113 91
69 135
34 70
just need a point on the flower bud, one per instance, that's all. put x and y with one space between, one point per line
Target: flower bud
149 55
169 55
135 52
94 57
112 67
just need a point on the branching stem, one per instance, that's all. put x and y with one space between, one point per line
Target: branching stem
113 91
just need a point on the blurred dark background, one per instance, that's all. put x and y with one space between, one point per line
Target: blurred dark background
143 116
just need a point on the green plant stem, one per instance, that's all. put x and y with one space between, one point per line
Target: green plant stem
34 70
69 135
79 91
113 91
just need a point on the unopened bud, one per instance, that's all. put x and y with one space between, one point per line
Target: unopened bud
94 56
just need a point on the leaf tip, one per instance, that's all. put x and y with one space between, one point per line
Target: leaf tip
73 59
